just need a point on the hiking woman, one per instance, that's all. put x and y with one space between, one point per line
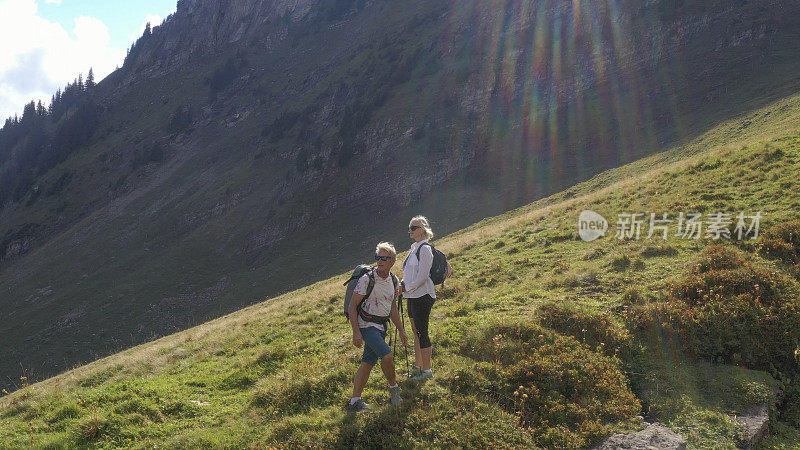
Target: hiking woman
419 291
369 314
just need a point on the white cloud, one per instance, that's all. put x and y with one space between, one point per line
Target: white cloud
57 2
38 56
153 19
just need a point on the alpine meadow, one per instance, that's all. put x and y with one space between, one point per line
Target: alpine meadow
174 238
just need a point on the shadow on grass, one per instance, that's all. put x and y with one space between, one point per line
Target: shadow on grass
381 427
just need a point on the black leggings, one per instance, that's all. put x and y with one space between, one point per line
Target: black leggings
419 309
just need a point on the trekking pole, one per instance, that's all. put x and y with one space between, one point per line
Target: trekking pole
405 347
394 342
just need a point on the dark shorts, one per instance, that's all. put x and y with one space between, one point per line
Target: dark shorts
419 309
375 346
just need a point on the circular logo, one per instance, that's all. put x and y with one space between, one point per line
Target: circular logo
591 225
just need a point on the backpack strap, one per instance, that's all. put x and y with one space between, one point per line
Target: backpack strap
417 253
370 287
420 248
371 283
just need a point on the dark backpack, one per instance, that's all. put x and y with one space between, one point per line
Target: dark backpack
351 283
439 266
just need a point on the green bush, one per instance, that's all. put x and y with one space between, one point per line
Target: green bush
782 242
789 408
565 394
593 328
717 257
729 311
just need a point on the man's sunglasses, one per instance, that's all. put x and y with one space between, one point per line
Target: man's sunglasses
383 258
412 228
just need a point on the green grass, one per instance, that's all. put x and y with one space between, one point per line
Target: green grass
123 239
528 300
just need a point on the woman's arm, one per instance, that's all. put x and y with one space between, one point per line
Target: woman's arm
423 269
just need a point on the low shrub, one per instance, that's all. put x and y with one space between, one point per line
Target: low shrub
594 328
717 257
782 242
789 408
92 428
565 394
632 297
729 311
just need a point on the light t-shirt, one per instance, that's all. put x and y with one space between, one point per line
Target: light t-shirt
379 302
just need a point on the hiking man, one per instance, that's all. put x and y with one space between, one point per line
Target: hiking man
368 317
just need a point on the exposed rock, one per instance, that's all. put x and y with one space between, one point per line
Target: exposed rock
654 437
755 421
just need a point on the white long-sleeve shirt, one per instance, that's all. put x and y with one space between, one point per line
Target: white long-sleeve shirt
416 272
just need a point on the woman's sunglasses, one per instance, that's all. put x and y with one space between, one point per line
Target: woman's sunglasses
383 258
412 228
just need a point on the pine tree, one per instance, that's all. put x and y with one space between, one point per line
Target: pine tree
90 79
28 113
40 111
79 83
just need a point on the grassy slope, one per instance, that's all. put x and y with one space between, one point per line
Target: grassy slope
280 371
146 229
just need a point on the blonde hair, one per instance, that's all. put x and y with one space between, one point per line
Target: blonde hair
421 221
386 246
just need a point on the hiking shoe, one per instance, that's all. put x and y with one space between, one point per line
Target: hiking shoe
422 376
415 370
358 406
394 395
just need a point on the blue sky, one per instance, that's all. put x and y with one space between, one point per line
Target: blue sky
45 44
123 18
